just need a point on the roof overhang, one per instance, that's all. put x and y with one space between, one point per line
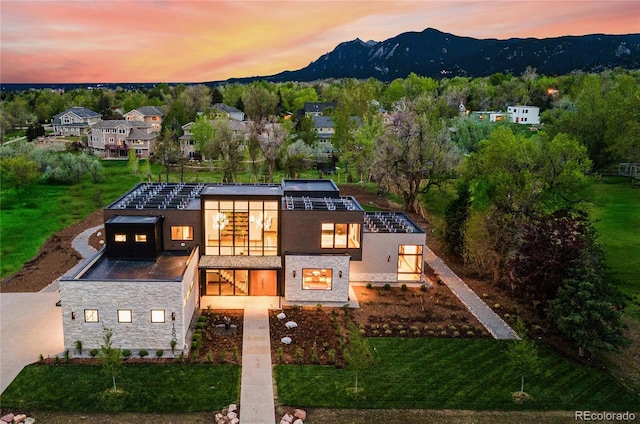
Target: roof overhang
240 262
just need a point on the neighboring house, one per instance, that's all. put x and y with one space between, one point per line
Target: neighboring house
230 111
528 115
170 246
317 108
114 139
75 121
151 115
188 147
323 125
489 115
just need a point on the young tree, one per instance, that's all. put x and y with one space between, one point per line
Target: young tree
145 170
134 164
456 216
203 137
523 354
357 353
167 150
19 172
110 357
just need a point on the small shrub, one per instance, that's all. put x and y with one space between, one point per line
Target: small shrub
385 326
521 397
388 332
404 288
443 333
280 355
223 356
142 353
195 354
387 286
319 306
426 328
126 353
56 360
41 359
173 344
79 347
431 332
314 354
456 334
470 333
181 357
345 309
453 328
332 355
93 353
66 356
485 295
298 355
439 282
208 357
416 332
496 306
202 318
400 327
234 353
423 287
200 325
376 332
369 286
159 353
403 332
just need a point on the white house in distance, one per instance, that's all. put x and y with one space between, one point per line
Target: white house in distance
113 139
148 114
528 115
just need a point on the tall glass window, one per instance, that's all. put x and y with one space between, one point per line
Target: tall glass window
409 262
340 236
241 227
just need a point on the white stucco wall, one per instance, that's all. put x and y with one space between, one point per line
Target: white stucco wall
380 256
339 292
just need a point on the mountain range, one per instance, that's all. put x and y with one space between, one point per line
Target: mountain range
436 54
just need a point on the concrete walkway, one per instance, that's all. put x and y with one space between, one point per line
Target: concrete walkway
257 405
491 321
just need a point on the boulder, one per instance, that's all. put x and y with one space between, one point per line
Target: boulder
298 421
218 416
300 413
19 418
28 420
7 418
281 315
233 408
291 324
221 421
286 340
234 421
232 415
288 418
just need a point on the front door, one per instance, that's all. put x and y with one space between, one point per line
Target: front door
263 283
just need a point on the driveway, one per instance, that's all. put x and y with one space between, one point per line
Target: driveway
30 325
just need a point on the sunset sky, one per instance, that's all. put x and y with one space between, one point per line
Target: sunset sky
87 41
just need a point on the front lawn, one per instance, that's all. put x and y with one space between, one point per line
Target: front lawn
148 388
451 374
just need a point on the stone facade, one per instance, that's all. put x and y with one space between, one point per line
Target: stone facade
138 296
339 264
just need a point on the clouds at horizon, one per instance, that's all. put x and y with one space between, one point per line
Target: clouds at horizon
196 41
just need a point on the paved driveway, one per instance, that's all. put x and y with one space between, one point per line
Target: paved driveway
30 325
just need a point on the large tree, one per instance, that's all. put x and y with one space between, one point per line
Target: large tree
19 172
414 153
259 102
203 138
272 136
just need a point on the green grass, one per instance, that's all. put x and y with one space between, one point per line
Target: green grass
617 220
148 388
451 374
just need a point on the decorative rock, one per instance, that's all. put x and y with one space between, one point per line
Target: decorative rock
221 421
234 421
298 421
232 415
233 407
218 416
281 315
288 418
291 324
19 418
300 413
286 340
7 418
29 420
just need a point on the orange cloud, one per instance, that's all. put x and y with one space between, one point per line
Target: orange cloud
190 41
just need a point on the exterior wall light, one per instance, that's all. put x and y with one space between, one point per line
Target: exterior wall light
73 315
294 273
173 316
340 273
388 258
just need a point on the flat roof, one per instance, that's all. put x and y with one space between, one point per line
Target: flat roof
161 196
242 190
133 219
309 185
389 222
169 266
306 203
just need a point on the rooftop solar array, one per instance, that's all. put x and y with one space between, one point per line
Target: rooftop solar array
160 196
389 222
321 203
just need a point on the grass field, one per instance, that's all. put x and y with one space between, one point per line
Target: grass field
451 374
148 388
617 219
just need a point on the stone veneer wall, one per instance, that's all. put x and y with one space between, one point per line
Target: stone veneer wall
138 296
293 285
376 249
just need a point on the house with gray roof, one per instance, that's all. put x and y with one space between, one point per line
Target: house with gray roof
114 139
151 115
230 111
75 121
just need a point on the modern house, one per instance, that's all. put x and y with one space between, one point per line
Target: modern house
75 121
168 247
528 115
113 139
188 146
151 115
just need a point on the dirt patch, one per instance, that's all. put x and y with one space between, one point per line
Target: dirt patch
218 337
54 259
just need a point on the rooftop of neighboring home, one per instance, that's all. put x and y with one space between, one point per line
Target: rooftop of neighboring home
81 112
150 111
168 266
226 108
121 122
318 107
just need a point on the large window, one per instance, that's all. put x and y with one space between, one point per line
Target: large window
409 262
337 236
317 279
157 315
124 315
241 227
184 232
